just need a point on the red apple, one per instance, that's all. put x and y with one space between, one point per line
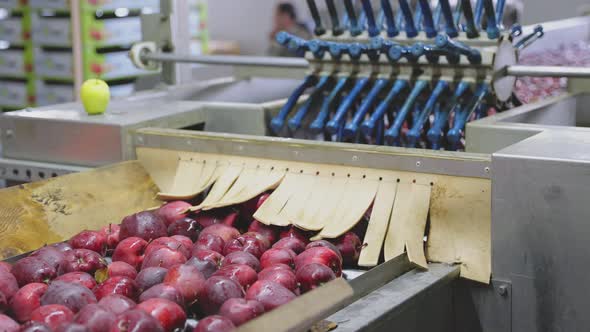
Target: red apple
91 240
163 291
8 284
84 260
72 327
350 246
209 255
262 238
185 226
295 232
281 276
118 269
3 302
224 231
240 257
277 256
187 279
62 246
73 296
53 315
248 208
27 299
7 324
240 273
170 315
81 278
206 267
135 321
32 269
271 233
5 266
324 243
269 293
172 211
217 290
168 242
214 323
117 285
245 243
131 251
321 255
240 311
145 225
185 240
313 275
112 233
32 326
51 256
150 276
292 243
209 242
163 257
218 216
116 303
95 317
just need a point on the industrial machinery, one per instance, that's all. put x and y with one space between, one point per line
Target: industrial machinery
489 241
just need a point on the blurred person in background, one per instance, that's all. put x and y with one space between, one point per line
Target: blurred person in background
285 19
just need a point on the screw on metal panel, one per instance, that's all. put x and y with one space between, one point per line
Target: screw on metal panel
503 290
418 164
240 147
487 169
296 153
139 140
355 158
189 142
9 133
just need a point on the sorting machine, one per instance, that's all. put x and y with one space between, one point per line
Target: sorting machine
491 239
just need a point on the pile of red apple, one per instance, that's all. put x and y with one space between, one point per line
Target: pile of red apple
159 268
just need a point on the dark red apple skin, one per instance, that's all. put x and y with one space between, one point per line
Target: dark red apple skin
135 321
210 242
32 326
240 273
5 266
95 318
296 233
240 311
32 269
170 243
150 276
248 208
225 216
292 243
84 260
217 290
73 296
265 242
8 284
163 291
313 275
91 240
270 232
163 257
214 323
187 279
145 225
186 241
172 211
277 256
121 269
208 255
131 251
51 256
112 232
81 278
324 243
240 257
226 232
321 255
116 303
117 285
62 246
3 303
270 294
27 299
7 324
72 327
350 246
53 315
245 243
281 276
170 315
185 226
206 267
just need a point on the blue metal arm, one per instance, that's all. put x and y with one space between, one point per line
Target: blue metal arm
278 122
450 27
429 28
352 127
500 5
315 14
355 28
414 133
392 29
339 117
472 54
318 124
478 13
337 29
461 117
528 40
392 134
437 16
470 28
491 26
368 126
409 25
372 25
436 131
295 122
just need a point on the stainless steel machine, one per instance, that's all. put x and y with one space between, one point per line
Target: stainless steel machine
507 254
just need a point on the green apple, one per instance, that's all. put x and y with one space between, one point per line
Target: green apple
95 95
